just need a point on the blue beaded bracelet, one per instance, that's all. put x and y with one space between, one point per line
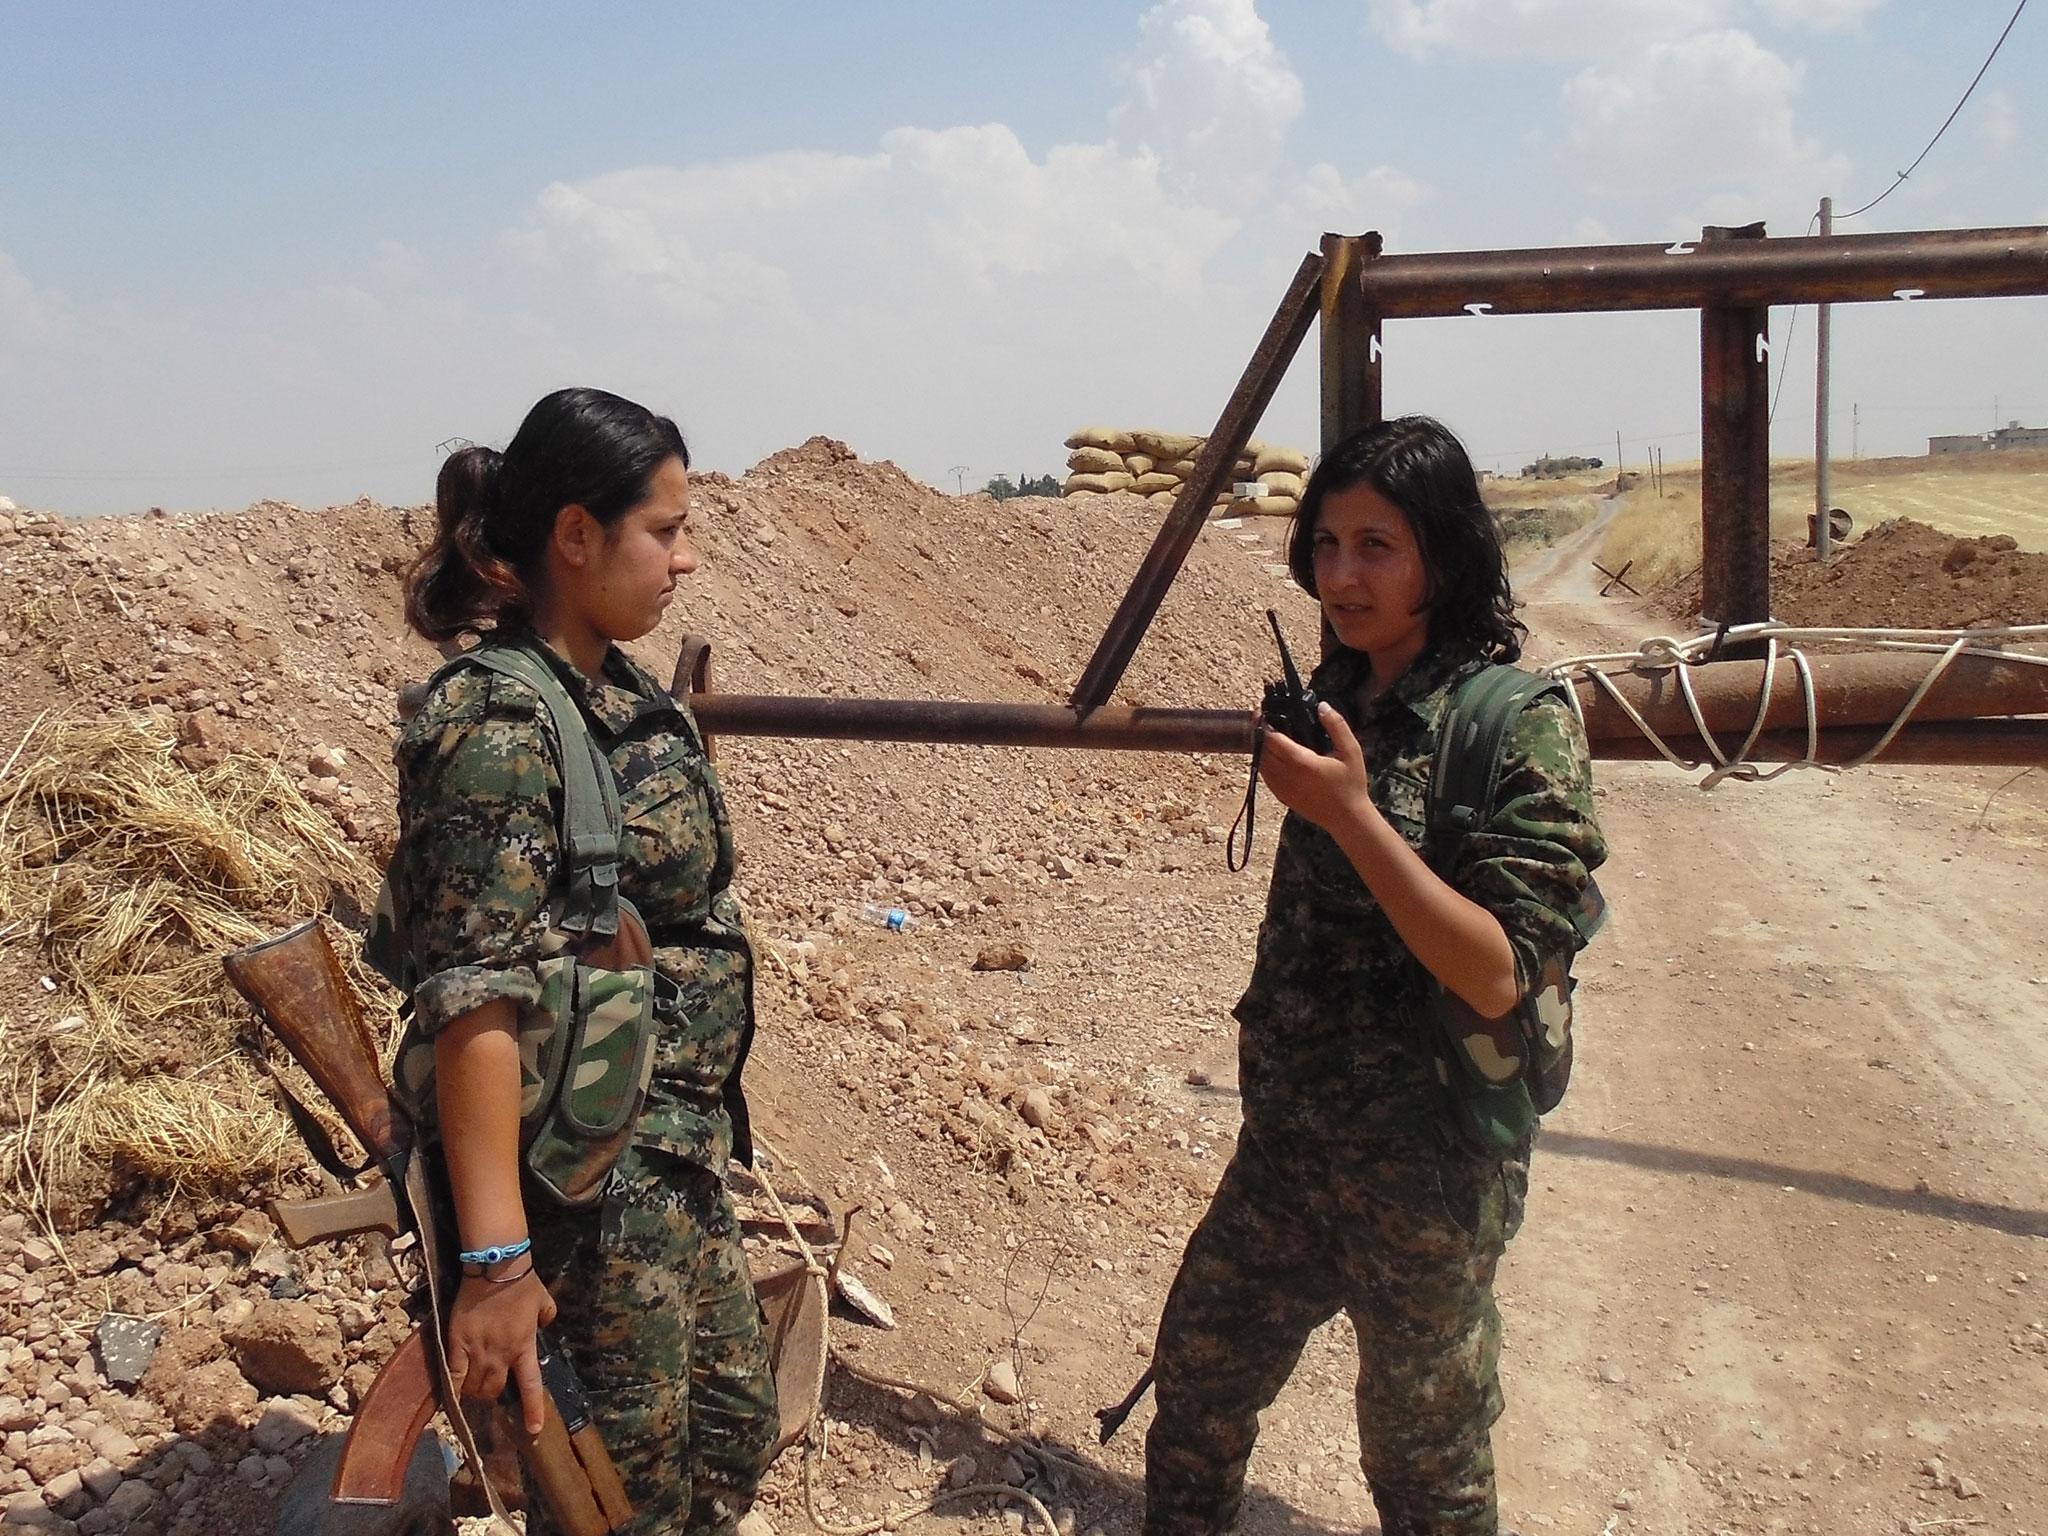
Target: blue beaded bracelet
495 1254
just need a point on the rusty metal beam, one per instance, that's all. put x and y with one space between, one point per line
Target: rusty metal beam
1190 511
1857 695
1113 729
1961 743
1834 269
1735 452
1859 688
1107 728
1350 339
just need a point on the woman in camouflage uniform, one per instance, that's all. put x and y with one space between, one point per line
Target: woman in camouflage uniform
571 540
1347 1191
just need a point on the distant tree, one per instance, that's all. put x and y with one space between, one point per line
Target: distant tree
1003 487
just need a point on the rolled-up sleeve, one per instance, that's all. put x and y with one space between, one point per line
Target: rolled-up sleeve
480 851
1531 862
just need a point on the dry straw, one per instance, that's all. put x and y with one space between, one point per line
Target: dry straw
124 874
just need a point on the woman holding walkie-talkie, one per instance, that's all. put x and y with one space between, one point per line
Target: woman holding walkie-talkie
1353 1187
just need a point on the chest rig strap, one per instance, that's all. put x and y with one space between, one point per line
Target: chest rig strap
591 824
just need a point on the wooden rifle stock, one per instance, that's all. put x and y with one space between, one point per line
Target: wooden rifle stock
388 1424
295 981
372 1208
571 1470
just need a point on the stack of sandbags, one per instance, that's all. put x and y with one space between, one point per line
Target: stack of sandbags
1155 465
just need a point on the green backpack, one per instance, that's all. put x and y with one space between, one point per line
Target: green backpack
586 1049
1499 1075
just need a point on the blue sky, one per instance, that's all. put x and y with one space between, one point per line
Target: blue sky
280 251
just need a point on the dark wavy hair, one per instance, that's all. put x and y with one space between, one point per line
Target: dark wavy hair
1416 463
495 512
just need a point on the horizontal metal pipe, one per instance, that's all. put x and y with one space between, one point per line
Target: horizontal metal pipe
2011 743
1818 269
1852 689
1117 729
1107 728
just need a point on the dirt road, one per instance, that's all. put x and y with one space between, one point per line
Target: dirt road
1783 1267
1786 1261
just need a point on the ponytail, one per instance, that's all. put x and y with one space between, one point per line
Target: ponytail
459 583
494 513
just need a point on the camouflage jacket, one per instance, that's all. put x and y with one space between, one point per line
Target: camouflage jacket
477 865
1334 1048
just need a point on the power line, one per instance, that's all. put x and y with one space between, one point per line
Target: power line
1784 349
1900 178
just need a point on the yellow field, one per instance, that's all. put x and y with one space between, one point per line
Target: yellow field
1968 495
1974 496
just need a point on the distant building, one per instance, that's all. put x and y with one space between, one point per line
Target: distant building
2013 435
2004 439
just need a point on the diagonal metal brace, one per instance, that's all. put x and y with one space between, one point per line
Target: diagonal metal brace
1183 523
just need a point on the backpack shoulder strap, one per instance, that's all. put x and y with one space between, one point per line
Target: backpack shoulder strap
1466 771
1465 776
591 824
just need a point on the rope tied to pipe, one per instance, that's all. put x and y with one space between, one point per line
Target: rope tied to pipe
1665 653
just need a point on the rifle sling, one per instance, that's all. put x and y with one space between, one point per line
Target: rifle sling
310 1127
420 1199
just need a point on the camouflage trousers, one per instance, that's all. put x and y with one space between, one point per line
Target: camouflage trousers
659 1317
1405 1242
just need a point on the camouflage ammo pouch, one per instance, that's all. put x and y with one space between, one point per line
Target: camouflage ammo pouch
586 1053
1498 1075
586 1047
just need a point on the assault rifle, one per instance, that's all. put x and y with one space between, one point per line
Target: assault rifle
296 984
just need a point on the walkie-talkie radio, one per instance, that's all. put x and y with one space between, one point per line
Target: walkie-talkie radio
1289 708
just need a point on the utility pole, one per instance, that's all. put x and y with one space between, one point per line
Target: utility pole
1617 458
959 474
1856 429
1822 540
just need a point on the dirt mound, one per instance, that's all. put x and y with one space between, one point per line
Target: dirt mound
1003 1124
1902 574
1032 1092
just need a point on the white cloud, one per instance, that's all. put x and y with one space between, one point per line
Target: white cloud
1211 97
953 210
1574 30
1820 15
1326 199
25 310
965 280
1998 121
1704 126
398 264
1551 29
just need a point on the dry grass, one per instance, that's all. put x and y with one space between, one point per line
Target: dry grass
1976 495
1536 513
1661 533
131 873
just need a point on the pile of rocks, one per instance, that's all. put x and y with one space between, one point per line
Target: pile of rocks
169 1377
1156 465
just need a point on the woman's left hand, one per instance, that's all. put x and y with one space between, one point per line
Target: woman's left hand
1330 790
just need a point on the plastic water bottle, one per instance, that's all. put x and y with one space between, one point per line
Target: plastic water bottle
895 919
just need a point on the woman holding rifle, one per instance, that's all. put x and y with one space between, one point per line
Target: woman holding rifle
568 543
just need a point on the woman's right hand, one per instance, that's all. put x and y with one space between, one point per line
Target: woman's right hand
491 1340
